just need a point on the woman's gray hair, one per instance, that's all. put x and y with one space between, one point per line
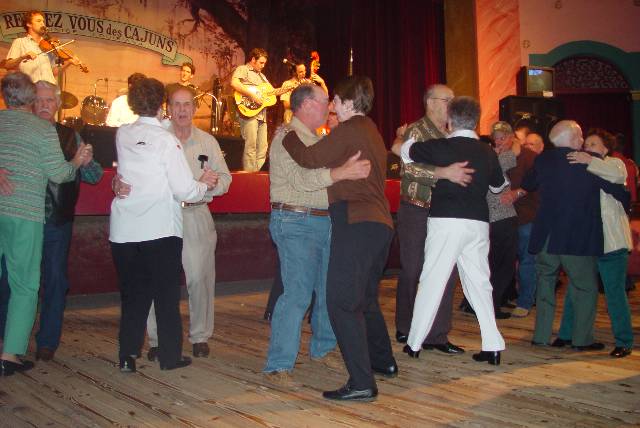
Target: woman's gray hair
18 90
48 85
464 113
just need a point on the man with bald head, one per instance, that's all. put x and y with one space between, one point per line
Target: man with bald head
567 236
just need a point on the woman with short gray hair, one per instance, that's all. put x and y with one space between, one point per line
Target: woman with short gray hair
30 152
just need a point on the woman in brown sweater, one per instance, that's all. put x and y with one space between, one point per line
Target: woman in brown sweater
362 230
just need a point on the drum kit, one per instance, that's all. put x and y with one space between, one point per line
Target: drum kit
93 111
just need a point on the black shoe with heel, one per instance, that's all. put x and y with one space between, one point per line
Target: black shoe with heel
491 357
413 354
128 364
183 362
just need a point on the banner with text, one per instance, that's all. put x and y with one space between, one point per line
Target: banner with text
90 26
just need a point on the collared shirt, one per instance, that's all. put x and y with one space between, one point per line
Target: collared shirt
39 68
248 76
120 113
201 143
291 83
421 130
289 182
152 161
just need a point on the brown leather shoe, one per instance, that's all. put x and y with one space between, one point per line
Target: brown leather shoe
201 349
45 354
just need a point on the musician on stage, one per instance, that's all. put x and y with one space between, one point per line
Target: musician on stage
25 53
187 71
253 129
297 79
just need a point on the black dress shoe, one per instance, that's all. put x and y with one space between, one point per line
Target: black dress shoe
401 337
595 346
560 343
152 355
390 371
201 349
620 352
7 368
183 362
347 393
267 315
491 357
540 344
447 348
127 364
413 354
502 315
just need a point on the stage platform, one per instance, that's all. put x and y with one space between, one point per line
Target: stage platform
244 250
534 387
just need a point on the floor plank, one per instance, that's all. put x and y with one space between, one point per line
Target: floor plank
533 387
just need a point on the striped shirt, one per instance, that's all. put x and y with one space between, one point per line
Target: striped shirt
30 151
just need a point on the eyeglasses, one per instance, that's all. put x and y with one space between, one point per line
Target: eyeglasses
446 100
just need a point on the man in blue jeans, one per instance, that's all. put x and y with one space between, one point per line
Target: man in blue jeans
301 229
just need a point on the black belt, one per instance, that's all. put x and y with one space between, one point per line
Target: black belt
192 204
299 209
416 202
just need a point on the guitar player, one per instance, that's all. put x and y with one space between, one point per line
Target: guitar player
253 129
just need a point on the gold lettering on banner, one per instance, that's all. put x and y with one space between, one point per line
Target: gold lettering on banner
90 26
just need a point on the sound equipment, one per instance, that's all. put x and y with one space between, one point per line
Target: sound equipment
232 149
539 114
103 140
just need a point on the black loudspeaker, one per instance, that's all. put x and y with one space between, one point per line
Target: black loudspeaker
103 140
232 149
538 113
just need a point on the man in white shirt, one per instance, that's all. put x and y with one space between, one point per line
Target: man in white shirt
120 113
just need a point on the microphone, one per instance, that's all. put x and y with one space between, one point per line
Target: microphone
202 159
288 62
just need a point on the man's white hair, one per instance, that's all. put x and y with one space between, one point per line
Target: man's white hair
563 132
48 85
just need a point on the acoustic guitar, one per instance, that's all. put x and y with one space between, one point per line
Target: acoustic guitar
250 108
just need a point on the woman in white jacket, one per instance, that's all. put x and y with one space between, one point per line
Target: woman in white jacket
146 227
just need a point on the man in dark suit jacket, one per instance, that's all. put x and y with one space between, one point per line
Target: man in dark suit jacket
567 232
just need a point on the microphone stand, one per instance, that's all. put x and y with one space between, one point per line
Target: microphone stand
215 112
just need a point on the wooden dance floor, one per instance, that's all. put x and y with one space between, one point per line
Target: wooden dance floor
533 387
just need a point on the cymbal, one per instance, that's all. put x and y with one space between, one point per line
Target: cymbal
68 100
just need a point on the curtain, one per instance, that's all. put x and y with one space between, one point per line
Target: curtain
610 111
398 44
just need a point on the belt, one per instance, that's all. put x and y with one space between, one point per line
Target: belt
416 202
192 204
299 209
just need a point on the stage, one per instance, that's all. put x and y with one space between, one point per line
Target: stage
533 386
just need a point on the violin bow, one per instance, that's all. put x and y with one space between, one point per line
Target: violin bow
57 47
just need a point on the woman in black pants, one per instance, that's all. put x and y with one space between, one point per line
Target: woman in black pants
362 230
146 227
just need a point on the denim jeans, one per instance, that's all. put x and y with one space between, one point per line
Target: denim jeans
526 268
613 271
55 254
303 243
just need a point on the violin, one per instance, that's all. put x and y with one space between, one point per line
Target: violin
53 45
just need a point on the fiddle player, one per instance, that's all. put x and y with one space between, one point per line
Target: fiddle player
26 55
